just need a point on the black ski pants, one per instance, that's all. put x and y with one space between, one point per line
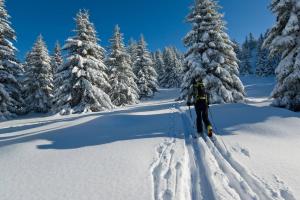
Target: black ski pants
202 115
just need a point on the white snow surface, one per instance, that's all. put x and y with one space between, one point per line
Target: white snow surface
147 151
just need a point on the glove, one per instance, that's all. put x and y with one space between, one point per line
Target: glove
188 103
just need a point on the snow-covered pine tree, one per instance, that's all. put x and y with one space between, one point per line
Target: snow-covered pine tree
84 79
38 78
210 55
146 74
249 55
252 42
56 63
122 79
237 48
173 69
152 56
264 65
284 39
238 51
245 67
159 65
179 55
11 101
57 58
179 59
132 51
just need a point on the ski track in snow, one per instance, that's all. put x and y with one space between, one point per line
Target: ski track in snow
216 175
167 172
208 172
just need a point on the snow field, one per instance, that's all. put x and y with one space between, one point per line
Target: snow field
106 155
263 138
226 178
146 151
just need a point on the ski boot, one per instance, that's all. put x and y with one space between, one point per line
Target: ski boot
209 131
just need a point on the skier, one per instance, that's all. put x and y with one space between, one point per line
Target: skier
200 98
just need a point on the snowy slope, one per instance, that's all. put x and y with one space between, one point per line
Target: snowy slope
250 158
93 156
147 152
263 138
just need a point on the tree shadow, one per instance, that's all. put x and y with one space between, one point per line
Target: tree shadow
5 132
226 117
108 127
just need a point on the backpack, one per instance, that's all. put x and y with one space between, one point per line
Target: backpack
199 91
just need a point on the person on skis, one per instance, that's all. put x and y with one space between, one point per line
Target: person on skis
200 98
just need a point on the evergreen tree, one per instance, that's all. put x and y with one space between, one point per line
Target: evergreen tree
237 49
252 42
39 78
264 66
84 79
211 55
159 65
146 74
56 62
245 62
247 56
11 101
178 54
152 55
132 51
284 39
57 58
179 59
124 89
173 68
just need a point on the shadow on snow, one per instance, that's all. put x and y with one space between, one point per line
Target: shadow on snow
107 127
227 116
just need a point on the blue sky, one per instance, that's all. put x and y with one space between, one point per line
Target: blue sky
161 21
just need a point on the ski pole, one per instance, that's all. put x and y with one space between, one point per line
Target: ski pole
214 124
